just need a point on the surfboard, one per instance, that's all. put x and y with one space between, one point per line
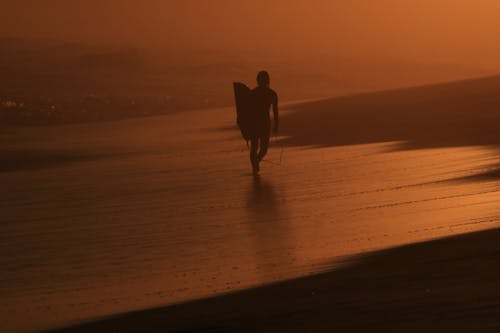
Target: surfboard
243 103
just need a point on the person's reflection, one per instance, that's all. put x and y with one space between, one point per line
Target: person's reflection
262 198
268 225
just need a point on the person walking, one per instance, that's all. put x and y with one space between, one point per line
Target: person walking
263 98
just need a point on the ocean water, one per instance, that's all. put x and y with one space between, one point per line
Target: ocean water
105 218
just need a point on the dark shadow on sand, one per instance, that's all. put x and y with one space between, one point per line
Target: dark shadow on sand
446 285
443 115
487 176
19 160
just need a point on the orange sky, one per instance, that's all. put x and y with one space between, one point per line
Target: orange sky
459 30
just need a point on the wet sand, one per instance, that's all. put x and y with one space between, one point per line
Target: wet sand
105 219
447 285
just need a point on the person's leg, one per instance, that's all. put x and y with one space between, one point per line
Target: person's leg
264 145
254 159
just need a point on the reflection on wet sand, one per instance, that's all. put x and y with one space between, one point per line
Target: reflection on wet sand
267 222
181 220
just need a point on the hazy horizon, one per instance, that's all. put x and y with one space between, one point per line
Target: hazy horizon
461 32
190 52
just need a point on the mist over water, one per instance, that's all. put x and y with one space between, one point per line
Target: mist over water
157 57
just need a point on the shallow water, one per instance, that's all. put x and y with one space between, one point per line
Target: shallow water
99 219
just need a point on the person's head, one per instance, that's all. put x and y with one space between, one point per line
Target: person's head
263 79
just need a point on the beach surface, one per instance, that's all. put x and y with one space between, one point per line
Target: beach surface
374 212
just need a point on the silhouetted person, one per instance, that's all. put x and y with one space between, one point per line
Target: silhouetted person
263 98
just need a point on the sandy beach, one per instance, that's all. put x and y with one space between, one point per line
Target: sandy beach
130 203
445 285
373 212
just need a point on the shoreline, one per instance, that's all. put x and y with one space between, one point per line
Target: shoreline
450 285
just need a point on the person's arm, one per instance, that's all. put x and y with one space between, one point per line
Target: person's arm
275 113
